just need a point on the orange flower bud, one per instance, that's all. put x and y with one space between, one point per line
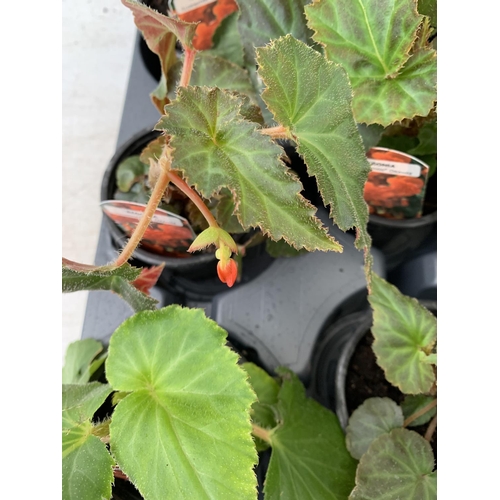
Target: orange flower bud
227 271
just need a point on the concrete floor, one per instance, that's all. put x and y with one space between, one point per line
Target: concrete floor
98 38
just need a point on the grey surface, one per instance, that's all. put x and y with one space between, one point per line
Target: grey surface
282 312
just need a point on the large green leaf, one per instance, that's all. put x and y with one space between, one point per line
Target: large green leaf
87 470
184 431
405 336
215 147
264 20
78 366
309 458
312 97
86 463
77 277
398 465
373 41
376 416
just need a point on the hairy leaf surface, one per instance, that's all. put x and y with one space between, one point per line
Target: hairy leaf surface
405 336
117 280
376 416
397 465
309 458
373 41
183 432
312 97
215 147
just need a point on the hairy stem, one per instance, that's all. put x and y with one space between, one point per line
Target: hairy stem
432 427
261 433
420 412
154 201
194 197
187 67
278 132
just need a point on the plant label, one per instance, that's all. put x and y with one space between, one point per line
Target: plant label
167 233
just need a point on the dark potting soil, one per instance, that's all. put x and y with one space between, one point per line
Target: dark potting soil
365 379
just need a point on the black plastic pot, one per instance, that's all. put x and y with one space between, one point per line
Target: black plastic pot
333 355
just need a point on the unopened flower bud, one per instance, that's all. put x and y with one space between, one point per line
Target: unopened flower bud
227 271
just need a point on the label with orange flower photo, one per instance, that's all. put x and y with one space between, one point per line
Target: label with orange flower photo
167 234
395 188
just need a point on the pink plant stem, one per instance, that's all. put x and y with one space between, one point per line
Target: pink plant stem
278 132
420 412
140 229
261 433
194 197
187 67
430 430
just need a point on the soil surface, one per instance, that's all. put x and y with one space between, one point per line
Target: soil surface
365 379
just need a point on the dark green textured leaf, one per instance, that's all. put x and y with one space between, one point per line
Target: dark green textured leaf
376 416
429 8
398 465
184 430
373 41
215 147
405 336
117 280
312 97
79 356
370 134
309 459
282 249
225 213
264 20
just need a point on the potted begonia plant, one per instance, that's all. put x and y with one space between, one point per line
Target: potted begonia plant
186 420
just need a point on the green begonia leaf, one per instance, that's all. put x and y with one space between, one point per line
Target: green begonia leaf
312 97
429 8
412 404
405 336
78 361
266 388
225 213
87 465
264 20
215 147
427 140
118 280
184 430
87 469
376 416
81 401
398 465
213 71
370 134
309 458
374 42
282 249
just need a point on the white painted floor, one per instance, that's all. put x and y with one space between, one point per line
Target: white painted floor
98 38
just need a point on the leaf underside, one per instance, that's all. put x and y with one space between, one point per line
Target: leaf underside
376 43
405 335
215 147
312 98
185 426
